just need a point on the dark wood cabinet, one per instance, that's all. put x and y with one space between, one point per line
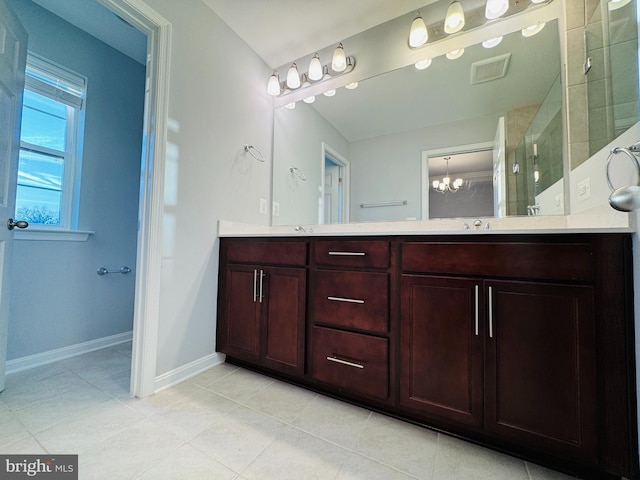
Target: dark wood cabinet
540 369
441 348
349 316
522 342
262 307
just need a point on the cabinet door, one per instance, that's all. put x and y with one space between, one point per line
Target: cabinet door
441 349
240 328
283 308
540 366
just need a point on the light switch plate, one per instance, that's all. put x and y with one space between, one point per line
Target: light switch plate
276 209
584 189
263 205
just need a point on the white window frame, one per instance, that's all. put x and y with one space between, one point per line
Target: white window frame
60 84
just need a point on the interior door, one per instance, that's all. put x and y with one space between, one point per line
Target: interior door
500 171
13 55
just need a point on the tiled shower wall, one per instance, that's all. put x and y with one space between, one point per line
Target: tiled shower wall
604 101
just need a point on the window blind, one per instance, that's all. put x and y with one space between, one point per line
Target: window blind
55 82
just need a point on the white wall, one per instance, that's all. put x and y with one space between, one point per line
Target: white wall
298 138
393 163
57 298
218 103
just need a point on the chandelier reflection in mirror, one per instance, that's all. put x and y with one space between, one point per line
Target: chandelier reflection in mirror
445 185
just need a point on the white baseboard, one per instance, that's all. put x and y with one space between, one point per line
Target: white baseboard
180 374
32 361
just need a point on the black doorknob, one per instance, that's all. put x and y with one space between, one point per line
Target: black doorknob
20 224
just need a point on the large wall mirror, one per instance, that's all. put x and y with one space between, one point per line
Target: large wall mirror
492 122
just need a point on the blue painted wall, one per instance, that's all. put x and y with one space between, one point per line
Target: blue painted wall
57 299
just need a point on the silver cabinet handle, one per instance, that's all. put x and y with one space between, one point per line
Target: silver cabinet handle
348 300
261 277
255 285
348 254
344 362
477 312
490 313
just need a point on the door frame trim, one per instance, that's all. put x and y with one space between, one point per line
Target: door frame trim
150 209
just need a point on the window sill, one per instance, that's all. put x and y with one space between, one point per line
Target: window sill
46 234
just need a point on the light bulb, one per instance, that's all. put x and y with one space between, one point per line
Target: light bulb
446 180
422 64
616 4
496 8
339 61
330 93
453 54
418 34
492 42
290 106
273 86
454 21
435 183
457 183
293 78
531 30
310 99
315 68
351 86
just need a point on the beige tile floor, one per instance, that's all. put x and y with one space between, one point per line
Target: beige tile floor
225 424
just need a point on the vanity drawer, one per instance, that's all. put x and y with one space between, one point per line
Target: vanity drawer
351 299
561 261
269 252
351 361
352 253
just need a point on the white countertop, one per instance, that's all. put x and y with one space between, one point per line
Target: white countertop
600 220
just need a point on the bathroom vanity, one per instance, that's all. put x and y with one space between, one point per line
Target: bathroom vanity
523 342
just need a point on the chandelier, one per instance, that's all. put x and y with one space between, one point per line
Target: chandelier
445 184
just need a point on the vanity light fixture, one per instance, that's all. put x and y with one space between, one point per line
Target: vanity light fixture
339 60
453 54
315 68
317 73
496 8
273 86
423 64
454 21
293 77
531 30
418 34
492 42
445 185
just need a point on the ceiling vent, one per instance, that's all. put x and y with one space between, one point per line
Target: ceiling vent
490 69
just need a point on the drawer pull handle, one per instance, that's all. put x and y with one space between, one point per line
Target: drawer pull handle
344 362
348 254
348 300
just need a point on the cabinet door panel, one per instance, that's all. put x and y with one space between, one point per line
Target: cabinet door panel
284 310
242 314
441 367
540 366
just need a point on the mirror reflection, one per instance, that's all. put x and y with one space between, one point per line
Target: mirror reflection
505 101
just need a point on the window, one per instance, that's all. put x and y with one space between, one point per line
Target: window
49 155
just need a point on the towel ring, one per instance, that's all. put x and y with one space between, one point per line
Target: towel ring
627 198
254 152
298 173
629 154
